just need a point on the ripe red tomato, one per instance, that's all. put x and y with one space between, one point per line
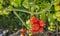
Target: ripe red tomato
22 30
35 27
22 34
34 20
33 31
41 23
36 31
41 29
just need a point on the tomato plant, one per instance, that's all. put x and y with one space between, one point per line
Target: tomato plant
35 16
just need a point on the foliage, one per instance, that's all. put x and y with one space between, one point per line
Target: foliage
14 14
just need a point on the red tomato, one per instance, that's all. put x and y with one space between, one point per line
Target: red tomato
34 20
33 31
22 34
41 23
41 29
35 27
22 30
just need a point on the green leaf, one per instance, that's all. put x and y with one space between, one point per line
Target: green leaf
26 4
58 18
57 14
1 6
15 3
50 18
54 16
42 16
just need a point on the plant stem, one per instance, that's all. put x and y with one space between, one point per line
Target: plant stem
20 19
57 28
17 10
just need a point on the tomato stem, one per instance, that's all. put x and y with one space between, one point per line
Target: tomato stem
20 19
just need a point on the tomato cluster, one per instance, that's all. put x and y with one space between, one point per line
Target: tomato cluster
37 25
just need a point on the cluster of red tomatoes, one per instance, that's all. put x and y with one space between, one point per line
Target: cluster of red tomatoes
37 25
